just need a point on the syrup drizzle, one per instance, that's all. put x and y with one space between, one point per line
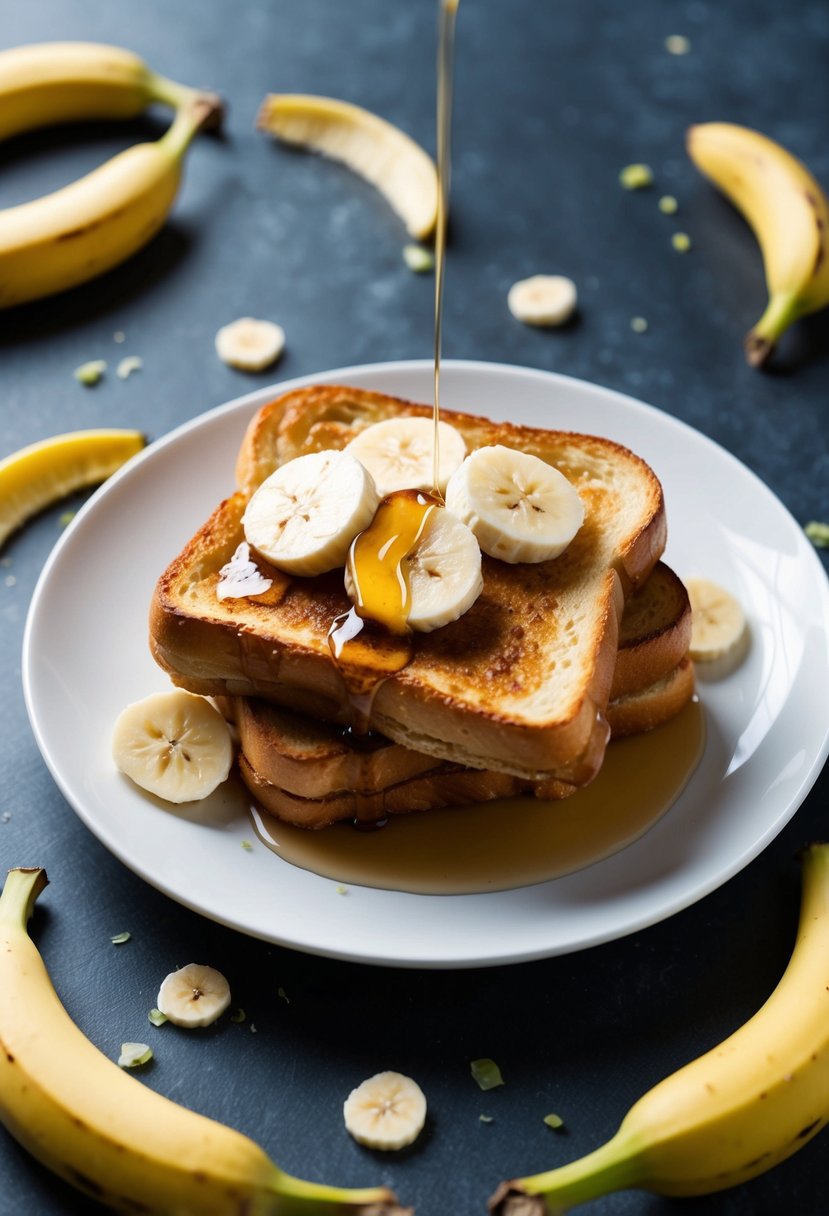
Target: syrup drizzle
372 640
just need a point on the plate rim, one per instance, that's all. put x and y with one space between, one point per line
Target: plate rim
251 401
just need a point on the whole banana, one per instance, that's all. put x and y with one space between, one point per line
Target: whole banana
60 82
108 1134
729 1115
789 213
86 228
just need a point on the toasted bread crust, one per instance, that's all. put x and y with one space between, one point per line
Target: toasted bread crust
517 685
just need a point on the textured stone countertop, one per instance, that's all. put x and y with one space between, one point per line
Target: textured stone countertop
552 100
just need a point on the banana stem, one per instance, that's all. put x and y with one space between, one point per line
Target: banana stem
612 1167
760 341
300 1198
202 111
21 889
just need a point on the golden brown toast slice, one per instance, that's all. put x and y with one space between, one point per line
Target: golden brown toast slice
313 773
519 684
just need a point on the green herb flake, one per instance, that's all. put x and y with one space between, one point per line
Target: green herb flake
90 373
132 363
668 205
638 325
636 177
66 518
157 1017
247 846
681 242
238 1016
677 44
418 259
120 938
555 1121
485 1119
486 1073
133 1055
818 533
341 890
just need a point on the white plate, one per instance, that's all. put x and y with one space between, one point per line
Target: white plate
85 656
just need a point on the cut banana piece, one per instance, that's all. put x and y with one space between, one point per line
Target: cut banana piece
719 630
371 146
194 996
519 508
44 472
250 345
387 1111
304 516
399 453
544 299
174 745
443 573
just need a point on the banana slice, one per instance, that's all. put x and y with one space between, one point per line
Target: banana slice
519 508
399 453
173 744
443 572
719 630
380 152
194 996
387 1111
250 345
304 516
544 299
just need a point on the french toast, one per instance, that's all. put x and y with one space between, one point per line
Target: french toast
519 685
312 773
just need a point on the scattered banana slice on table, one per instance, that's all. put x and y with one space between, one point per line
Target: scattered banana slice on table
42 473
175 745
249 344
543 299
305 515
387 1111
719 630
443 573
194 995
520 508
398 453
366 143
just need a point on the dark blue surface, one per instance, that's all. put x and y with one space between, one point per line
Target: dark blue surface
551 101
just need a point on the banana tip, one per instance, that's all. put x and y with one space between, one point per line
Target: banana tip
757 349
510 1199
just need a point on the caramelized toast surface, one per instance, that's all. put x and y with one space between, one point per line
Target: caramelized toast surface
519 684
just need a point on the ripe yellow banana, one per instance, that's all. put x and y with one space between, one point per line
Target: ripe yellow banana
76 233
109 1135
59 82
733 1113
789 213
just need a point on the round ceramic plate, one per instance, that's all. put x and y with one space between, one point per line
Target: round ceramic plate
86 656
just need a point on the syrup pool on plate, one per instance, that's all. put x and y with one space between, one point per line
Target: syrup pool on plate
511 842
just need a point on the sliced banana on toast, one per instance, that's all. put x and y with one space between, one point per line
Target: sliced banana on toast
520 508
387 1111
174 745
304 516
443 573
398 453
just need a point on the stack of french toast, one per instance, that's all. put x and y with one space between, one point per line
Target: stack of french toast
521 694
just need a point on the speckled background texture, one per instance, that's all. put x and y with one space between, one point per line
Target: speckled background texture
552 99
